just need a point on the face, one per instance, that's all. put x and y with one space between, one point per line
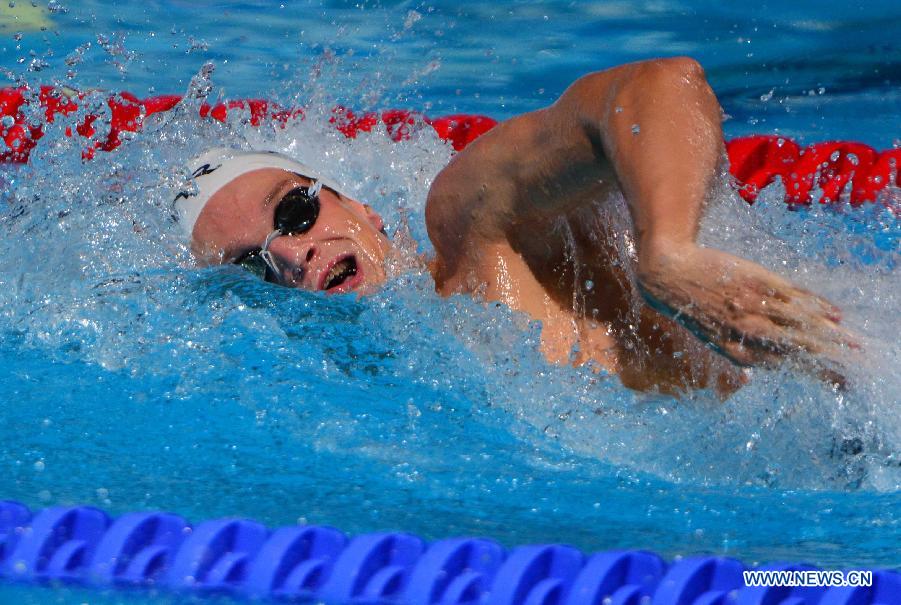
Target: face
343 251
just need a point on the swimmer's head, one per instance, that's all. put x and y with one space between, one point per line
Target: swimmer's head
277 216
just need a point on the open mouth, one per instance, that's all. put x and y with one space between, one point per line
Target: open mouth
340 274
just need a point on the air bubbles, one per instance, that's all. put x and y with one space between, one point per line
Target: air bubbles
636 129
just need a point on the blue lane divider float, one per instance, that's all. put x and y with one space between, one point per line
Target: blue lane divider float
85 546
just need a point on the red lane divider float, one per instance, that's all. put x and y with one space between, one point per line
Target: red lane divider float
830 168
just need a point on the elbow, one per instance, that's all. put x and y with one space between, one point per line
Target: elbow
672 85
681 71
686 66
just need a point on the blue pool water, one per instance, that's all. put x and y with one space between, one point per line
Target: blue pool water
132 379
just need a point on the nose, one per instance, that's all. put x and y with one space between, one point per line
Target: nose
294 256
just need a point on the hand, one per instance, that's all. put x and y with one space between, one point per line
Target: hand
752 316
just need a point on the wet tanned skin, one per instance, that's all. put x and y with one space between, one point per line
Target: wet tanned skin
514 217
526 215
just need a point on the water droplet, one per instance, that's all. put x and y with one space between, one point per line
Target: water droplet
636 128
39 466
411 19
589 285
619 110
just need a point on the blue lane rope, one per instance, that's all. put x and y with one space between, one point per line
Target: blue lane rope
242 558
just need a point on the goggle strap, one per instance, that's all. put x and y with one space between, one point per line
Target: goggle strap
266 255
269 260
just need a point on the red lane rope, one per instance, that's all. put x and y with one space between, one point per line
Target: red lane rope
755 161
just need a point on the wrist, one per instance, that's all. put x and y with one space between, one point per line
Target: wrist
660 257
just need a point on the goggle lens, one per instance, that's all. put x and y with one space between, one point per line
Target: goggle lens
297 212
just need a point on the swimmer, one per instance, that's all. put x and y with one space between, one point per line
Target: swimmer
517 217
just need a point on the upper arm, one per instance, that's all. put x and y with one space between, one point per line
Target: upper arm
459 217
542 164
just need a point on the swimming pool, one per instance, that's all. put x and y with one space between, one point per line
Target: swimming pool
133 380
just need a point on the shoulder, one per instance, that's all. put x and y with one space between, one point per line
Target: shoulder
467 203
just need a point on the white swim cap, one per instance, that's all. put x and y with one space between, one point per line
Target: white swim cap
215 168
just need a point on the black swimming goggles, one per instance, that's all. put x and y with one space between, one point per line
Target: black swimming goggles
295 214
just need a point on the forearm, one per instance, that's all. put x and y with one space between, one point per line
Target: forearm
659 124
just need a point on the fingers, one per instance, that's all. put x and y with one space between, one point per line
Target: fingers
770 287
812 319
805 319
760 342
816 304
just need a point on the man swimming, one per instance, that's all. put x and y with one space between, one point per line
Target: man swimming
518 217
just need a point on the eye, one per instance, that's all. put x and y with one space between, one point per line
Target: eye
297 212
254 263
